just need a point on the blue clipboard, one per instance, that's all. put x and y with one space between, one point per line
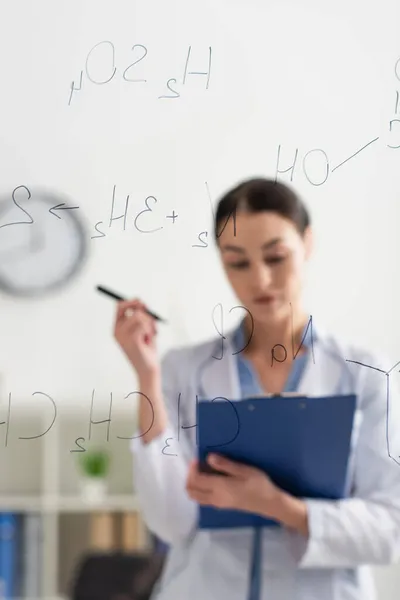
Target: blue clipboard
301 442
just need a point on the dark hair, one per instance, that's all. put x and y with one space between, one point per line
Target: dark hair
260 194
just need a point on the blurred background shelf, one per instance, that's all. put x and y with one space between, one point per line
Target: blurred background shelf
21 503
123 502
56 526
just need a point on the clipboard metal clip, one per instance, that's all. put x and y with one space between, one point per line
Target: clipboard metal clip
281 395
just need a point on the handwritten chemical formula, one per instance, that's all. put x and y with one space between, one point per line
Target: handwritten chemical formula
102 66
170 444
279 354
149 219
317 166
153 215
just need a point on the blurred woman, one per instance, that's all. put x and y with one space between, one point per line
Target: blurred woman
322 547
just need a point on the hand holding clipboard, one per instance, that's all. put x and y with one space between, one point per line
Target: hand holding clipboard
302 443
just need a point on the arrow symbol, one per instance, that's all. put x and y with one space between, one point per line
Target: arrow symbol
61 207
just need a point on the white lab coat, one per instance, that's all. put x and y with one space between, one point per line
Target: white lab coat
345 536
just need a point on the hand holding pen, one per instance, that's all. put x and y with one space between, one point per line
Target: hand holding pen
135 331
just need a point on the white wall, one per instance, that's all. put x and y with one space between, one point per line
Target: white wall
291 75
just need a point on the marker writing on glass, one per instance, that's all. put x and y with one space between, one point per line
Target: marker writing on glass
111 294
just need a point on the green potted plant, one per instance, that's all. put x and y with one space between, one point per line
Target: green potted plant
94 465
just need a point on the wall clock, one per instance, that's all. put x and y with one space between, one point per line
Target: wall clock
43 242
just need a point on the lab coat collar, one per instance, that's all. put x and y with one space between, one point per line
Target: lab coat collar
321 376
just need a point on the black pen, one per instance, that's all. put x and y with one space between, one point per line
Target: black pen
104 290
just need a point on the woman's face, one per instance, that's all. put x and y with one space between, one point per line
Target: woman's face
264 263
